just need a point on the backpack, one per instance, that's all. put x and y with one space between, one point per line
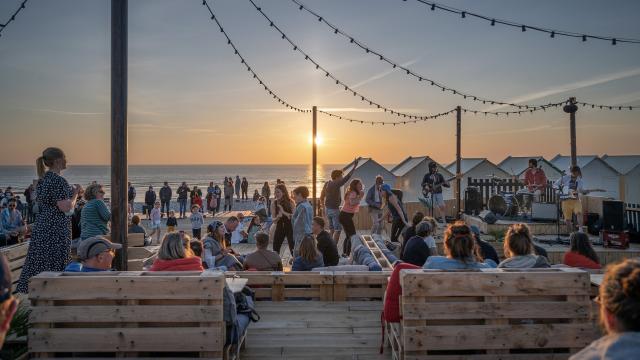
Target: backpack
245 301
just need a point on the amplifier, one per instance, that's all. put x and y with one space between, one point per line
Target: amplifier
615 239
542 211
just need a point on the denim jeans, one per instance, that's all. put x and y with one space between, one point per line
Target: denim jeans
163 204
183 206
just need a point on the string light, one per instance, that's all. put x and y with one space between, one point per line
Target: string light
608 107
394 123
13 16
328 74
524 27
516 112
249 68
421 78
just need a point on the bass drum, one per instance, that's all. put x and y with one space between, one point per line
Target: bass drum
504 204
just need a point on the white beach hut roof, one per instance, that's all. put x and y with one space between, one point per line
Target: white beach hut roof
622 163
518 164
563 162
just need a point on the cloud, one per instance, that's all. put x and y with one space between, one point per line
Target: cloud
377 76
63 112
570 87
516 131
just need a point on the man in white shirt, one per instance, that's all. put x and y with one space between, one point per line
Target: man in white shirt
570 188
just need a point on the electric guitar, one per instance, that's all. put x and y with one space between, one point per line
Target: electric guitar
428 189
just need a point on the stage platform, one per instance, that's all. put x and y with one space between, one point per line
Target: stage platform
537 228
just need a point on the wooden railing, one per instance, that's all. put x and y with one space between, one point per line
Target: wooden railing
632 215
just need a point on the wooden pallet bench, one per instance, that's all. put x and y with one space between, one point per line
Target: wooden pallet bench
16 256
493 314
315 315
127 314
377 253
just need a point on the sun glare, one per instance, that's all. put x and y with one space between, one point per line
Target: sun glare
319 140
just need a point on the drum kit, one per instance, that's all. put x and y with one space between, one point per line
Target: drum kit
510 204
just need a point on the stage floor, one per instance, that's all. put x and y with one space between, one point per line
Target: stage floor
537 228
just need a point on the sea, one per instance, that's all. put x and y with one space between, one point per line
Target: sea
141 176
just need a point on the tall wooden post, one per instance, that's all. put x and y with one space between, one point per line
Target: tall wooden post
119 174
458 159
314 159
571 108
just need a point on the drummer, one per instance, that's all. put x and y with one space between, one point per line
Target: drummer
535 179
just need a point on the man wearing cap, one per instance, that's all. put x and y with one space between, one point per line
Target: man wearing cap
8 303
486 250
96 254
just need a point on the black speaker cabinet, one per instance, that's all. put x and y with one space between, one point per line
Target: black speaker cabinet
472 201
612 215
488 217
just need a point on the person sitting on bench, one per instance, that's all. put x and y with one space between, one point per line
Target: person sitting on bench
518 248
263 259
581 253
96 254
175 254
619 301
418 248
460 249
309 257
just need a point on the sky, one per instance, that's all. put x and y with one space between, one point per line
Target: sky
192 102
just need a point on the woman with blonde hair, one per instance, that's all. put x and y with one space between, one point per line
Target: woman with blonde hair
95 215
50 246
460 250
309 257
352 197
175 254
519 251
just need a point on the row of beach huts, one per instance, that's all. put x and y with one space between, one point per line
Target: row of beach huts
617 175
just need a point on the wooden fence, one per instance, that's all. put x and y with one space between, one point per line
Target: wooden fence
488 188
632 216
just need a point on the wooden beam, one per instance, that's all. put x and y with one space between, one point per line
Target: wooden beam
314 159
458 158
119 205
571 108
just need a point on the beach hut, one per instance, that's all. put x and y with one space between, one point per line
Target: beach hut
409 174
476 168
367 171
596 173
629 168
517 165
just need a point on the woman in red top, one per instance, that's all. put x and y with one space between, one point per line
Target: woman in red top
175 254
581 254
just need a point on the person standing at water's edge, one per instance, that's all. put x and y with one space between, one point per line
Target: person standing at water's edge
149 201
245 189
266 193
183 193
131 197
331 198
238 187
50 247
352 197
228 194
165 198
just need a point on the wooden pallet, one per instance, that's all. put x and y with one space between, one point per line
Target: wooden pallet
281 286
127 314
377 253
16 256
494 314
355 285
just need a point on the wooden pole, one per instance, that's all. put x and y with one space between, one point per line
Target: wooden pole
571 108
119 205
314 159
458 158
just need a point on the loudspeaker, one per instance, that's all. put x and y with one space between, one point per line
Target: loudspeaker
612 215
488 217
542 211
592 222
472 201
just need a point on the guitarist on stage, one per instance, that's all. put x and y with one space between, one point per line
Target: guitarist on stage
432 184
570 188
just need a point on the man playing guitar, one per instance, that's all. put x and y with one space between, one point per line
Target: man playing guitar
432 184
570 187
535 179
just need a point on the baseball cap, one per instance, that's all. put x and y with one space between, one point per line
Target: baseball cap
475 230
5 279
93 246
386 187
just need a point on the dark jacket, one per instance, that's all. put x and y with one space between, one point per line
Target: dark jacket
150 197
131 193
487 251
416 251
327 246
300 264
183 191
165 193
370 198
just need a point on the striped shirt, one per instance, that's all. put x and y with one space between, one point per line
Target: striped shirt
94 219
